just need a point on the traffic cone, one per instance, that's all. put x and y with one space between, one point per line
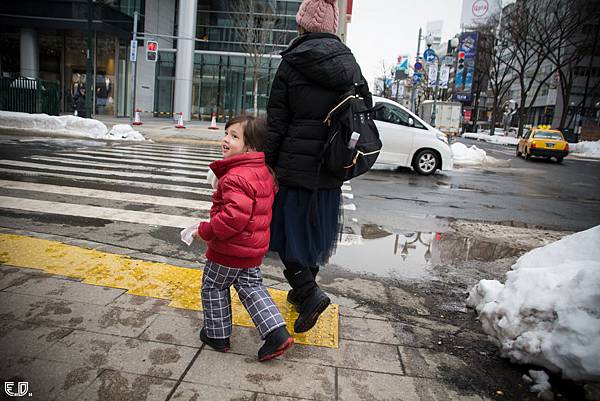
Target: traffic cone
213 121
180 121
137 120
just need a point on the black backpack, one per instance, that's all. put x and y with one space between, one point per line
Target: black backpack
353 144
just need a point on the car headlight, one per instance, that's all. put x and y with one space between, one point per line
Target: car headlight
442 137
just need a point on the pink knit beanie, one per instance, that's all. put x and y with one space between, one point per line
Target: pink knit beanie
318 15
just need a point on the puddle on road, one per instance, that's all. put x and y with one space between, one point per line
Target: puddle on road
411 255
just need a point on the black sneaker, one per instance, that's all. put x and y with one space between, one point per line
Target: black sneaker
218 344
310 310
276 343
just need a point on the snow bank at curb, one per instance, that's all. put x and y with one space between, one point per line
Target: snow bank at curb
548 311
473 156
70 126
586 148
498 139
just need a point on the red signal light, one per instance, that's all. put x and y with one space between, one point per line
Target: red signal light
152 46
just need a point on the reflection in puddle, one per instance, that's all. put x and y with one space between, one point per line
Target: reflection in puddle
411 255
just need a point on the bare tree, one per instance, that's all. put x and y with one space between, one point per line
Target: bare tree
386 72
497 56
531 33
254 22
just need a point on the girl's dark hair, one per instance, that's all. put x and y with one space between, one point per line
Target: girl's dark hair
255 131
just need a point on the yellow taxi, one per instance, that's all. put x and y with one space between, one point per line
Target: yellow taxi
544 142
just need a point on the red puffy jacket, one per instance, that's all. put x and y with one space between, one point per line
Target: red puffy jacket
238 232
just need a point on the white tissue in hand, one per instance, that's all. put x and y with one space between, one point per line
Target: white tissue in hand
187 234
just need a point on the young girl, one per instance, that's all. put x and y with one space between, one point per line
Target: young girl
238 238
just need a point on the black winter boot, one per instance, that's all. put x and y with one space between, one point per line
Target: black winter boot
218 344
310 310
302 281
276 343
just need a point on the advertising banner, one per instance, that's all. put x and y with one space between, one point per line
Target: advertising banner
444 76
432 75
475 12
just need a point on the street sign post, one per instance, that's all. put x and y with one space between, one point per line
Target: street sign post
429 55
418 66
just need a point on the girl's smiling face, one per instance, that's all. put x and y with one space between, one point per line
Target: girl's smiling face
233 141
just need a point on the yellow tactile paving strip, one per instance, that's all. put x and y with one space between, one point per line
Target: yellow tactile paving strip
149 279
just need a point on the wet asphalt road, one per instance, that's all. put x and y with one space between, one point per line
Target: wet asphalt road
537 193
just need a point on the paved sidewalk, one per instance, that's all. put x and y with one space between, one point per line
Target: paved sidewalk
163 129
74 341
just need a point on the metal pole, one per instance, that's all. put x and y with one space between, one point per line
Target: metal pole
133 66
435 89
89 95
413 95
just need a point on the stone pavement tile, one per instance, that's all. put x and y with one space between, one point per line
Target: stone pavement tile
172 329
54 380
377 331
78 315
152 305
357 312
270 397
196 392
369 386
66 289
12 275
113 385
342 301
277 377
423 362
351 354
27 339
123 354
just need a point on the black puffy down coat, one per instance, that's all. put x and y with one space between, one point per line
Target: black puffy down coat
315 70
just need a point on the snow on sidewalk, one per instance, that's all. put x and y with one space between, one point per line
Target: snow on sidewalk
586 149
498 139
548 311
68 125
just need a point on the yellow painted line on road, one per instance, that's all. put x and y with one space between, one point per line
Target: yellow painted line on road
180 285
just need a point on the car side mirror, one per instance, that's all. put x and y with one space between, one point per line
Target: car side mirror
411 122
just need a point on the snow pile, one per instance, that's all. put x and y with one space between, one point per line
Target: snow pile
586 148
499 139
473 156
124 132
548 311
70 126
44 124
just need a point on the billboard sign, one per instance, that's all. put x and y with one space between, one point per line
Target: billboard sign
434 32
444 76
432 75
475 12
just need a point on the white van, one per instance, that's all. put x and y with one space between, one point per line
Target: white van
408 141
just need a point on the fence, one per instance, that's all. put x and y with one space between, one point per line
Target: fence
29 95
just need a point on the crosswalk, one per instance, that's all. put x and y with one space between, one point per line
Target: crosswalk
113 183
152 184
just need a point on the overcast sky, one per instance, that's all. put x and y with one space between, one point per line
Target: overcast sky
384 29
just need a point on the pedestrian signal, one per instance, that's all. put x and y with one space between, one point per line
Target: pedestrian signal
151 50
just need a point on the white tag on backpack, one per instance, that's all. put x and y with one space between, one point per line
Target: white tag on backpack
353 140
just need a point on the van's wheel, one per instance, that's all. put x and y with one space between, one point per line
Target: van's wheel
559 159
527 155
518 153
426 162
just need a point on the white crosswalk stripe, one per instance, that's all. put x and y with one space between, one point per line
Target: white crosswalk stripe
106 183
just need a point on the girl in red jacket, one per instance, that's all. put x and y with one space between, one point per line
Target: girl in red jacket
238 236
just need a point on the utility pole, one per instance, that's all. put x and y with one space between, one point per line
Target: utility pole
89 70
133 65
435 89
413 95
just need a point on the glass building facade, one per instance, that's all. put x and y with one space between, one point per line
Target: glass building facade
235 58
60 29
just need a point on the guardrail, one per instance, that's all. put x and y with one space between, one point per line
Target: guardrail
29 95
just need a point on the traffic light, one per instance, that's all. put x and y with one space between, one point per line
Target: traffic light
151 50
461 62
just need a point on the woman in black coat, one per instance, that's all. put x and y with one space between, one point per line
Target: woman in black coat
315 70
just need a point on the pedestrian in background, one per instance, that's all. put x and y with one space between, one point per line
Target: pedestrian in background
238 239
79 101
315 70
